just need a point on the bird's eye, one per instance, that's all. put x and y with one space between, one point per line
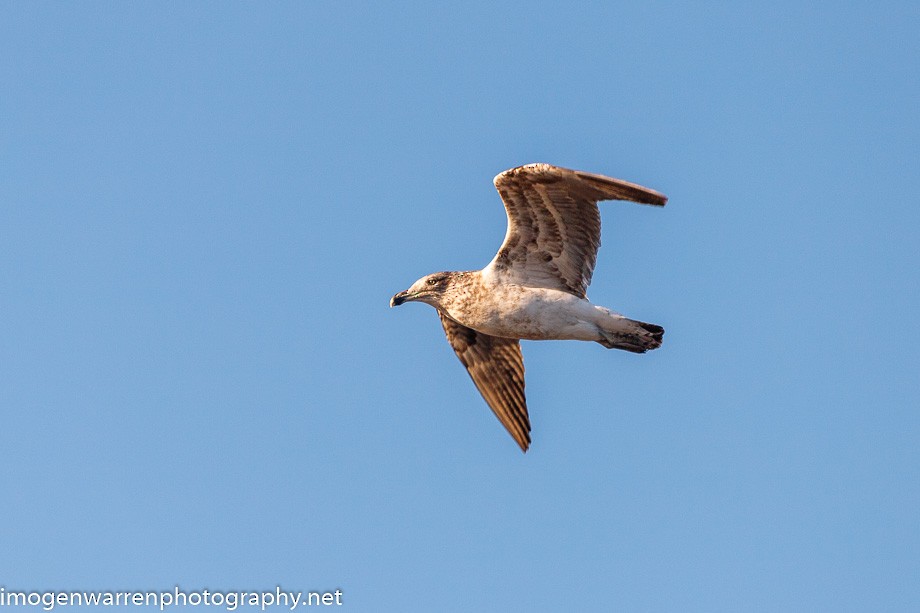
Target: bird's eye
432 281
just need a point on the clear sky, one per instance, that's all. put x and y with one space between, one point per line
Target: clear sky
205 208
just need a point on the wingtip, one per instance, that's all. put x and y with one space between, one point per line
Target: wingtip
522 438
649 196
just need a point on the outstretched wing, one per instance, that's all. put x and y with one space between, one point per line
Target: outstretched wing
497 368
554 227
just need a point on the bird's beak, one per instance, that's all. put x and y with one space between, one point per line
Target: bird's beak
399 298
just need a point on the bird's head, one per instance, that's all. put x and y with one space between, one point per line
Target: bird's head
429 288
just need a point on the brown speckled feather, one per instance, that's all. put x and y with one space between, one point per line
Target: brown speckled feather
554 226
497 368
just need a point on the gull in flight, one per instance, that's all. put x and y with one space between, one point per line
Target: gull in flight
534 287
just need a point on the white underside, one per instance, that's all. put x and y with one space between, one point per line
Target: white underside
514 311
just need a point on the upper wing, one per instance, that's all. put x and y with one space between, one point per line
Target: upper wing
554 227
497 368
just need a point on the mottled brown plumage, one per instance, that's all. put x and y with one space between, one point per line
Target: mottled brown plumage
496 366
534 288
554 226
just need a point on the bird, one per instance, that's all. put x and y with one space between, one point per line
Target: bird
535 286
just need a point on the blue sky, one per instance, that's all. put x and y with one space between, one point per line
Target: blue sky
206 207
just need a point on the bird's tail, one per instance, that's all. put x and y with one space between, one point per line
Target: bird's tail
630 335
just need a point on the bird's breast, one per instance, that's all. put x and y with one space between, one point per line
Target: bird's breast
513 311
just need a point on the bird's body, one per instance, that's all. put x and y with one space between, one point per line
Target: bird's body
485 304
531 313
534 287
